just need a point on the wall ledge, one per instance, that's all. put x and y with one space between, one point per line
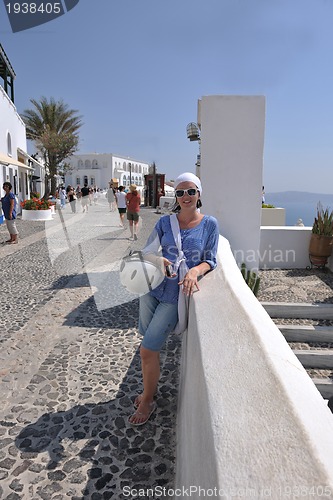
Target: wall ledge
249 416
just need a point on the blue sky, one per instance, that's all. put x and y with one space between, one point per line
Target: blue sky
134 69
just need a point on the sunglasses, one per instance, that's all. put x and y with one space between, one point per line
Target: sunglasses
190 192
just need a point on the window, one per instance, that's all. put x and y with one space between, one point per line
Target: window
92 181
124 165
80 164
11 176
9 145
94 164
87 164
78 180
85 180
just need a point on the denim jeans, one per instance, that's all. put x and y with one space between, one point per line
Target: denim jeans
156 320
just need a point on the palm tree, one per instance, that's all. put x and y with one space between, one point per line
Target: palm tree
54 129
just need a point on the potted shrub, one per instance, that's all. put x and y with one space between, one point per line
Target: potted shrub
36 209
321 241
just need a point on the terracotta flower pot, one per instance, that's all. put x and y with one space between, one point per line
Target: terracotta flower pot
320 249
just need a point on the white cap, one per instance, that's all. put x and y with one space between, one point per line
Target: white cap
188 177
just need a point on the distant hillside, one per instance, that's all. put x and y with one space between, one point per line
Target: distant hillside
299 197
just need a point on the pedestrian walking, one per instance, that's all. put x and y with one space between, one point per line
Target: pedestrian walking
62 196
110 195
72 199
85 191
133 202
197 236
9 209
95 195
121 204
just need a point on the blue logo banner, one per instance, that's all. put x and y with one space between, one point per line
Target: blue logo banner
24 15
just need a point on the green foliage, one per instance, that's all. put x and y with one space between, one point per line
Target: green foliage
265 205
251 279
323 223
54 129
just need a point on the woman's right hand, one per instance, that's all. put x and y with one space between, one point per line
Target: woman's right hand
168 268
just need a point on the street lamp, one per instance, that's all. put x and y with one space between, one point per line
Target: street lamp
193 134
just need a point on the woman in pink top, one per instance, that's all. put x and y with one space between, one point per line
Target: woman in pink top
133 202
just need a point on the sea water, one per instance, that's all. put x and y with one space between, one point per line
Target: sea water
306 211
298 210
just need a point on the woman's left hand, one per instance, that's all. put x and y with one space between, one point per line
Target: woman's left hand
190 282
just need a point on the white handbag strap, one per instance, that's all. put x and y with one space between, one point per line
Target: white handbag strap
176 235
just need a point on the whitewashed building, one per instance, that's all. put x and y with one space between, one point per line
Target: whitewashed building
101 169
16 166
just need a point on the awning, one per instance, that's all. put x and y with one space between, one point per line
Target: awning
26 155
7 160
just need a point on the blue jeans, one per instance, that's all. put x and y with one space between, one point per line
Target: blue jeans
156 320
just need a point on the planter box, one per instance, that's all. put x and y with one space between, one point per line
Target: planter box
273 217
37 215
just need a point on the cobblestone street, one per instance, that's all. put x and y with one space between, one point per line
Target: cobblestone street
70 368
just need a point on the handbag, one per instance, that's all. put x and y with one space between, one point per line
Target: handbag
180 264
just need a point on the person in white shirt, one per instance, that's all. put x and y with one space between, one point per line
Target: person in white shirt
62 196
121 204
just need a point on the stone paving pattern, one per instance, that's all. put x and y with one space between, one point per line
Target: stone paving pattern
313 286
70 366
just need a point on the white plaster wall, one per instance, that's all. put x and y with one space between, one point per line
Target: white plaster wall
102 174
11 122
273 216
251 423
284 247
232 141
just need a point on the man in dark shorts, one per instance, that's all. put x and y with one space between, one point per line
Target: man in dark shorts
85 198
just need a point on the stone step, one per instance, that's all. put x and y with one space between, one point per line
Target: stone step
324 386
298 310
306 333
321 358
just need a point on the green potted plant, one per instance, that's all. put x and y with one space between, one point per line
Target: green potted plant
321 241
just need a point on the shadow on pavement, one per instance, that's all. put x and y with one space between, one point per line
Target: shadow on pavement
95 441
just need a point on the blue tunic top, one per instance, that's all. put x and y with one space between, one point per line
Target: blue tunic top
6 205
199 244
